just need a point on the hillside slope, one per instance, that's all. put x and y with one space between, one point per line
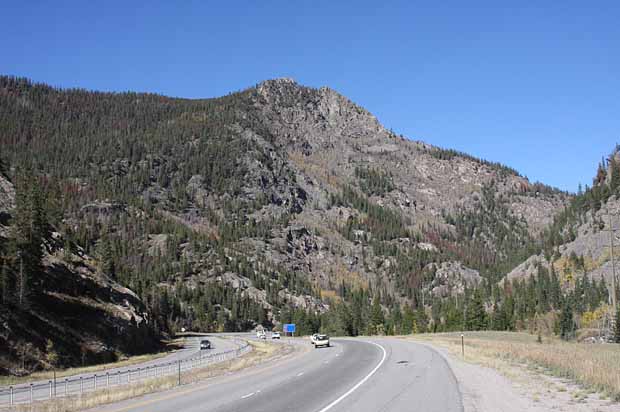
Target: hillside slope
224 212
87 317
578 242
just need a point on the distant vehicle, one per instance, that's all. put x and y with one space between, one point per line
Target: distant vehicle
263 336
313 338
275 335
321 341
260 333
205 344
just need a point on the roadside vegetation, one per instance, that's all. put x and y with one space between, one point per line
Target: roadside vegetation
261 352
61 373
593 366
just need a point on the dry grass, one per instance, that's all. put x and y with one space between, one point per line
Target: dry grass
594 366
261 352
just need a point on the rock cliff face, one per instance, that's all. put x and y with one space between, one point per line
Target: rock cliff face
323 139
7 202
326 136
588 254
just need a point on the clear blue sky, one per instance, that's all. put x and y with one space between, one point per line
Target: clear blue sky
534 87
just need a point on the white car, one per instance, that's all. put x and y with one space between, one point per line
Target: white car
260 334
321 340
275 335
313 338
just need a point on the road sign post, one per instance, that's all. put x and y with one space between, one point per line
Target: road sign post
179 380
289 328
463 345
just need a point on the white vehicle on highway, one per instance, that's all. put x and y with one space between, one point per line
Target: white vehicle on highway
260 334
313 338
320 341
275 335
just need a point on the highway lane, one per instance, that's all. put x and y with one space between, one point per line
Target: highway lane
413 378
366 375
190 349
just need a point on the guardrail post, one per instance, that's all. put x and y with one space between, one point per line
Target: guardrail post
50 385
31 397
179 380
11 396
81 386
118 380
95 382
107 380
66 387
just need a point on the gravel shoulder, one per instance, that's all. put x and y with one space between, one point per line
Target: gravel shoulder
512 387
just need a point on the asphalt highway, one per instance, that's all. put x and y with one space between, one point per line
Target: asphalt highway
365 375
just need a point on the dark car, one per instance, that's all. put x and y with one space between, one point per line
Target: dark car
205 344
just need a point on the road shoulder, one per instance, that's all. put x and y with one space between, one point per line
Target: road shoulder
510 387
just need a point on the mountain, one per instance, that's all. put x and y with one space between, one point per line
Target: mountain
270 204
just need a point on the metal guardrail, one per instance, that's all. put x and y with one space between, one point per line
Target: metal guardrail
28 394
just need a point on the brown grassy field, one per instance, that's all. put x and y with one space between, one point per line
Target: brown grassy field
261 352
594 366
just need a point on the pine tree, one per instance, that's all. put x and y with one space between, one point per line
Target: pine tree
376 316
106 259
567 324
3 167
476 314
29 231
614 182
5 281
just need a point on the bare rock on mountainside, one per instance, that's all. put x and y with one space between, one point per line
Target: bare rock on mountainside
588 253
528 268
451 279
7 202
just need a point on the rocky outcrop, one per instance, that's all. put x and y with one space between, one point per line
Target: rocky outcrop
7 202
451 279
591 245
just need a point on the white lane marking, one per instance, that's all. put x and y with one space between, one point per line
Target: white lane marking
300 373
360 383
326 362
248 395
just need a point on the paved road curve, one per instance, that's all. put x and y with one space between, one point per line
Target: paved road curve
354 375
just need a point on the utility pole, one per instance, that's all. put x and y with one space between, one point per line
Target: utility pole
613 263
